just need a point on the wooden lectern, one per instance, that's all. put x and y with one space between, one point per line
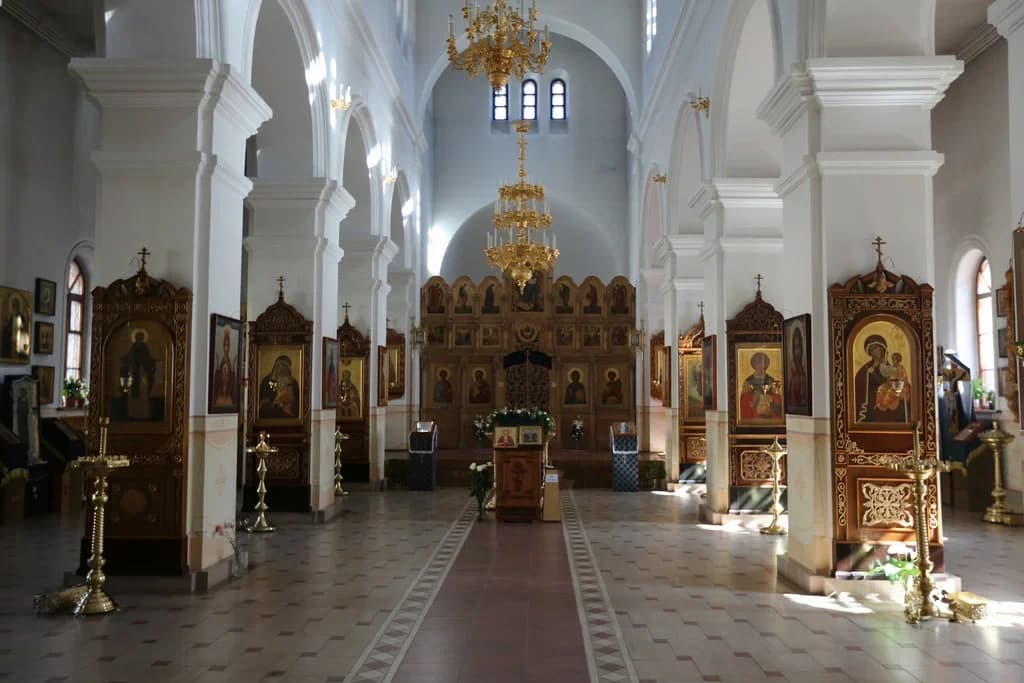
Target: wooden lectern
518 483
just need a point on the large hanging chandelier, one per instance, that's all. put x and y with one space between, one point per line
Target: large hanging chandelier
521 217
502 41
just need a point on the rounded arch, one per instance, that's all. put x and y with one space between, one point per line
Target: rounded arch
312 74
399 219
686 173
557 25
360 174
748 67
961 300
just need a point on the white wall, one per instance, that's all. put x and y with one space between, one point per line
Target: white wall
584 166
971 128
47 181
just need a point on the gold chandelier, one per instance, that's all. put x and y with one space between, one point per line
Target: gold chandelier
501 42
519 214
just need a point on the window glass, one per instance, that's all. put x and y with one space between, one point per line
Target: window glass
558 93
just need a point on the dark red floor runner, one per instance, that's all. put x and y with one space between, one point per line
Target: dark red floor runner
506 613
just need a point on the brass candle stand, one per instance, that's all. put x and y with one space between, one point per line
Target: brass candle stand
996 439
339 436
95 599
918 601
776 451
262 450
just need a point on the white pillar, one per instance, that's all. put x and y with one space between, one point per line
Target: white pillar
650 412
742 237
363 284
171 157
1008 18
293 233
402 411
844 181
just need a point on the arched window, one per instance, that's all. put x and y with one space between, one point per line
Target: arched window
74 354
984 321
558 100
651 24
499 104
529 100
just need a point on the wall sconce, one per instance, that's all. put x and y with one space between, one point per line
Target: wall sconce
660 178
699 103
344 102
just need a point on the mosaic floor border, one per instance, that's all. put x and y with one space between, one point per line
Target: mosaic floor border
380 661
607 656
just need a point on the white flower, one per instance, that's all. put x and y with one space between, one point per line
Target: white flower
472 466
898 549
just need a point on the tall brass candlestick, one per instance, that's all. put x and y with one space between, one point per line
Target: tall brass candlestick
262 450
919 604
95 600
996 439
339 436
776 451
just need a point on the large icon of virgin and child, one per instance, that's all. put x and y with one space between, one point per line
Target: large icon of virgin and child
280 391
881 386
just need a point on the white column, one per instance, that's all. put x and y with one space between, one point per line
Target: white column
1008 18
402 411
682 289
650 413
294 233
742 238
363 284
171 162
858 163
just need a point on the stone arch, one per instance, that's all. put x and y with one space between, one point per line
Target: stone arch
282 56
748 65
686 174
557 25
360 155
971 251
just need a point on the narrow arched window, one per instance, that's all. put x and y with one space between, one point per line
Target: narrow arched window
499 103
651 24
529 112
984 321
74 346
558 111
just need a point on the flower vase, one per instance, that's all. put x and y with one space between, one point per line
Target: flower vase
240 564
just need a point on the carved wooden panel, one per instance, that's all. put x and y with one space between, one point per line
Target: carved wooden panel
139 378
353 416
689 347
280 402
882 367
564 321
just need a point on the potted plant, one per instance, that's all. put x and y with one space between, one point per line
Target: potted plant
656 474
977 391
74 392
991 398
901 569
480 481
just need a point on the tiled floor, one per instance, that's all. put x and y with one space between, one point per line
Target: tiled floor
690 602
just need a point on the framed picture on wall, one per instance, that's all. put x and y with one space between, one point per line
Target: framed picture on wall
46 296
1003 341
710 372
506 437
382 375
796 366
279 388
15 326
44 373
225 364
351 381
329 395
758 388
1002 294
44 338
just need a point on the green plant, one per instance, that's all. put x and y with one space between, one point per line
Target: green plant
977 389
655 470
75 387
899 570
481 478
990 397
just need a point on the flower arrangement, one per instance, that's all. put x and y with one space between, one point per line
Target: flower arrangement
75 391
533 415
479 427
227 530
900 567
480 482
576 432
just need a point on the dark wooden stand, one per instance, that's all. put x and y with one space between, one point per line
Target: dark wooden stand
519 483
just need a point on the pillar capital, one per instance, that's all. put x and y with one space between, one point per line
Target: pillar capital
1007 16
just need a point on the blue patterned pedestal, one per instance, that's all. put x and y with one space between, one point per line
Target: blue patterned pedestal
625 472
423 457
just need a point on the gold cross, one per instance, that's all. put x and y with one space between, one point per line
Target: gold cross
759 278
142 257
280 286
701 307
879 242
346 307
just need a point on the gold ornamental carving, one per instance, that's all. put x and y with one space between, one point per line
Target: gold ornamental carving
755 465
885 505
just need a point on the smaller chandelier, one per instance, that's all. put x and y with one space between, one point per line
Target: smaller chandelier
520 213
501 42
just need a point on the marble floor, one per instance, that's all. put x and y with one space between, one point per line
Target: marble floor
405 586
